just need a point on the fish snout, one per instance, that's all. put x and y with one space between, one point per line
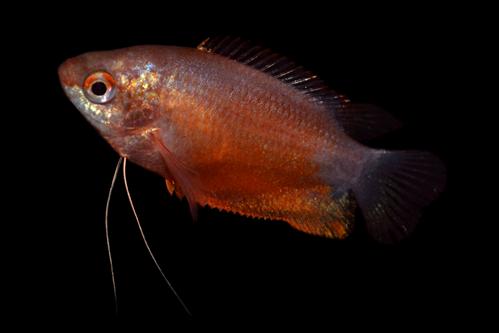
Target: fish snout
68 73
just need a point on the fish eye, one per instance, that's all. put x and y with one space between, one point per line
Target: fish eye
99 87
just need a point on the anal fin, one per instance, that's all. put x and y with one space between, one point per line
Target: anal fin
332 218
336 229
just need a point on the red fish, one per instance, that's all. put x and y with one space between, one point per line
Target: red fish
237 127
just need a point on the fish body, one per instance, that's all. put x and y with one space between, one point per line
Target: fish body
246 131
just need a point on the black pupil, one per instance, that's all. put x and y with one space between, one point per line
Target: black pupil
99 88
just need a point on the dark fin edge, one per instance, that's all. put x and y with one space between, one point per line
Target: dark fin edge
364 122
393 190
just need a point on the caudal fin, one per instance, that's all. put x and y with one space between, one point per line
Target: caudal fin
393 189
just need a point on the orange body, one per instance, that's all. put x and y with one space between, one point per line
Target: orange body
252 144
241 129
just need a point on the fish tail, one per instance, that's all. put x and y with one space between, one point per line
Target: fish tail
393 188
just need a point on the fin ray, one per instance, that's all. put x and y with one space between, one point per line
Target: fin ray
262 59
394 188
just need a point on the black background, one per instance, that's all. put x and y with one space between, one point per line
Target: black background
225 266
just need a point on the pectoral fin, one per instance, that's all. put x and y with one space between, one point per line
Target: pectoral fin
183 176
174 188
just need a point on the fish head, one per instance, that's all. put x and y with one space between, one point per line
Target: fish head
116 91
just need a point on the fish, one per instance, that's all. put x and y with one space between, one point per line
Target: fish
237 127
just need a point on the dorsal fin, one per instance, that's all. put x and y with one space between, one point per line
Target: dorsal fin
361 121
267 61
